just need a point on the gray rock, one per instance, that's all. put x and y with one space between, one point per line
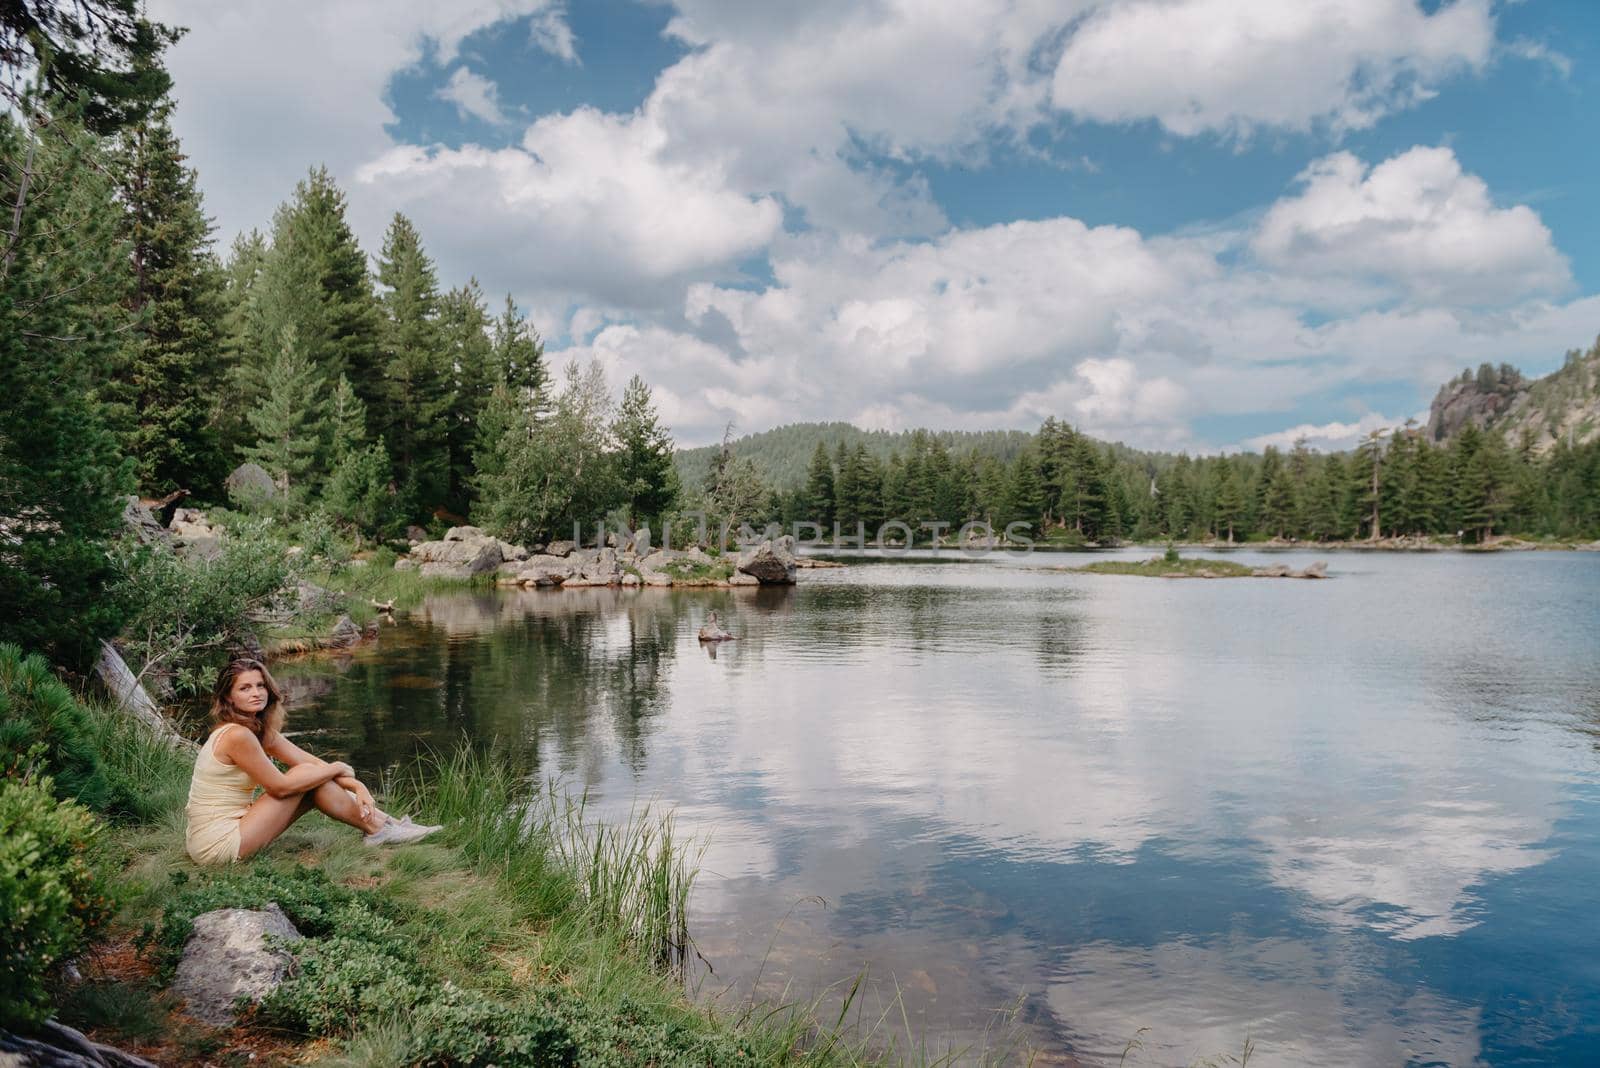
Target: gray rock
345 633
466 534
630 579
1318 570
512 552
603 569
311 599
405 563
560 548
656 578
739 578
771 562
1275 571
228 958
475 557
249 486
415 533
144 524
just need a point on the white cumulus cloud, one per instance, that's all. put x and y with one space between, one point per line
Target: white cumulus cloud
1231 66
475 96
1416 221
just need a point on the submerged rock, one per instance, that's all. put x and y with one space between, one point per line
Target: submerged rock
228 958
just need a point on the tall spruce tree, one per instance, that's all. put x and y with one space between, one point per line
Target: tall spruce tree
63 292
646 476
469 356
291 421
818 492
518 353
414 402
174 364
315 278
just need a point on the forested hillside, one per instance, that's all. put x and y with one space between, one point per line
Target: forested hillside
1063 485
781 454
1563 406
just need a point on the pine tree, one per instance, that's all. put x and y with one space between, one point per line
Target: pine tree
818 492
63 288
1280 505
1025 493
291 422
315 278
647 479
518 353
469 357
415 398
1366 474
1229 505
175 366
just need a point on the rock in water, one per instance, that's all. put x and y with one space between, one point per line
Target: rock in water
711 630
771 562
227 958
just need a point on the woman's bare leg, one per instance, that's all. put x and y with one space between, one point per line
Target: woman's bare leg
270 816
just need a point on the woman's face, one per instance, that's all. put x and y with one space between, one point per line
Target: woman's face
249 693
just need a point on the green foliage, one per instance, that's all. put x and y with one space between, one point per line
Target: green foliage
647 480
415 395
62 325
469 356
174 368
52 893
186 613
43 730
290 420
104 53
319 540
544 473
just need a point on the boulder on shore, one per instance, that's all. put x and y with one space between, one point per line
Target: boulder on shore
249 486
458 559
772 562
228 958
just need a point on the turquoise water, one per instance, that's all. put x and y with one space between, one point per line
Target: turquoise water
1350 822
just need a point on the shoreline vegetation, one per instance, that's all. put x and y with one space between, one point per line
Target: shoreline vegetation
530 934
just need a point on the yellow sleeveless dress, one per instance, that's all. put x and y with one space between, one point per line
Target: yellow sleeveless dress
219 794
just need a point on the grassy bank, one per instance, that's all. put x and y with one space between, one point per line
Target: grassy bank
1167 567
526 933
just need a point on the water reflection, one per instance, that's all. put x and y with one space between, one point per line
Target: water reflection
1314 815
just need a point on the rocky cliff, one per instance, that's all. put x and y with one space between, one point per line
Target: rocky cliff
1562 406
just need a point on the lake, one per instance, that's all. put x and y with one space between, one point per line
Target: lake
1350 822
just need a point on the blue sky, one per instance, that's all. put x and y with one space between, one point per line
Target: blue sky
1192 224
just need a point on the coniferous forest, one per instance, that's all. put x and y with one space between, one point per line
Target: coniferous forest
367 391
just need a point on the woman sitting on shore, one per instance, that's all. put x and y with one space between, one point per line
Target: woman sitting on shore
227 820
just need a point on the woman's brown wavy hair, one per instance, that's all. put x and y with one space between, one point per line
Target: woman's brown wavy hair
268 721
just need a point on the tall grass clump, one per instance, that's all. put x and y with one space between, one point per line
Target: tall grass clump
629 881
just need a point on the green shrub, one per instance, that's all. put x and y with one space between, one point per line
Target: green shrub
186 613
320 540
317 906
42 724
52 893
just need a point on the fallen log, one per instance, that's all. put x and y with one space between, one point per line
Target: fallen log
131 697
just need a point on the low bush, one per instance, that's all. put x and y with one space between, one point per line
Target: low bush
187 613
53 896
44 731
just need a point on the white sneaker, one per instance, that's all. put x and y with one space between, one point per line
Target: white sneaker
396 833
